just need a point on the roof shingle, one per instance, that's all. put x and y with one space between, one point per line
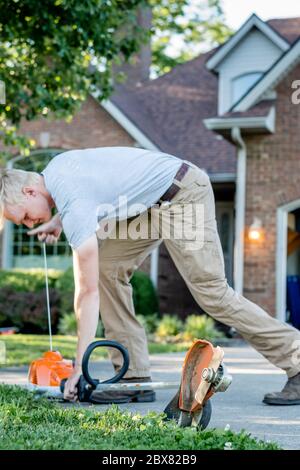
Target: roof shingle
170 111
289 28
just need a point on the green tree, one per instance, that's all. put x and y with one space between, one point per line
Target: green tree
193 24
53 52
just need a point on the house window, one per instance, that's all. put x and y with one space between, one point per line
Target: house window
26 251
242 83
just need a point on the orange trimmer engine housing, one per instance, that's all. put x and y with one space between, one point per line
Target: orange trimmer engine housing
50 370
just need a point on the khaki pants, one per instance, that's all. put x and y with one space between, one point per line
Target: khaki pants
202 268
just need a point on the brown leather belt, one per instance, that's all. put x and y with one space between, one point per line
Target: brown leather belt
173 189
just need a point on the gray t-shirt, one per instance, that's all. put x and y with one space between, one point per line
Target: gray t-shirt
81 181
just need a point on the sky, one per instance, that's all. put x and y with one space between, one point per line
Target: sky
237 11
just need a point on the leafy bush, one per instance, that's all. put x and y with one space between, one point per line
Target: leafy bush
200 327
68 326
28 310
144 294
65 281
23 299
26 307
65 287
30 280
169 326
149 322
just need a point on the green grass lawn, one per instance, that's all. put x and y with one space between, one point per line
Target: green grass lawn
27 422
22 349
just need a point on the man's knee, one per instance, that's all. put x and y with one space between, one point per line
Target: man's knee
116 272
215 295
107 272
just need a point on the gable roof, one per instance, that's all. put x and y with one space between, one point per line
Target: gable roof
253 22
170 110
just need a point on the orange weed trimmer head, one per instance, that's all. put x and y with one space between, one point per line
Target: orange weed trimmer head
49 370
203 374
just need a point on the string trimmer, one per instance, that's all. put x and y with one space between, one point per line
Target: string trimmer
203 374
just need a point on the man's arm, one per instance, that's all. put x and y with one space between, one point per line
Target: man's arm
86 304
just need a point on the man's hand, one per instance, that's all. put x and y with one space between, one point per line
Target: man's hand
71 392
48 232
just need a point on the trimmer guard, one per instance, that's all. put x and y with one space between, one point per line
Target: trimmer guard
194 389
50 369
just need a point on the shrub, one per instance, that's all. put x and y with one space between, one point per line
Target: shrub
23 299
65 287
149 322
31 280
200 327
27 288
169 326
68 326
28 310
144 294
65 281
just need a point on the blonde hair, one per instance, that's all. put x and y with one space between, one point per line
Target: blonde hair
11 184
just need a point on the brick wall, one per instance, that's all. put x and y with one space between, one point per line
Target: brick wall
273 179
92 126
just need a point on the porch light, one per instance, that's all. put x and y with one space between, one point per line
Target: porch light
255 230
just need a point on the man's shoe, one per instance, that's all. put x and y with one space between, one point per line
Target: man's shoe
114 396
290 394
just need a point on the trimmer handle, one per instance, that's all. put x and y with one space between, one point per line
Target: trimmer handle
84 390
100 344
86 383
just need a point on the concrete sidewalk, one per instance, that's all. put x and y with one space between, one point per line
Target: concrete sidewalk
240 407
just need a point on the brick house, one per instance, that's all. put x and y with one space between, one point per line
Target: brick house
231 112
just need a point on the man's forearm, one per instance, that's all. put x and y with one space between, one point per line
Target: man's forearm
86 305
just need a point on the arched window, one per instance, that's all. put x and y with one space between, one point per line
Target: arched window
242 83
22 251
